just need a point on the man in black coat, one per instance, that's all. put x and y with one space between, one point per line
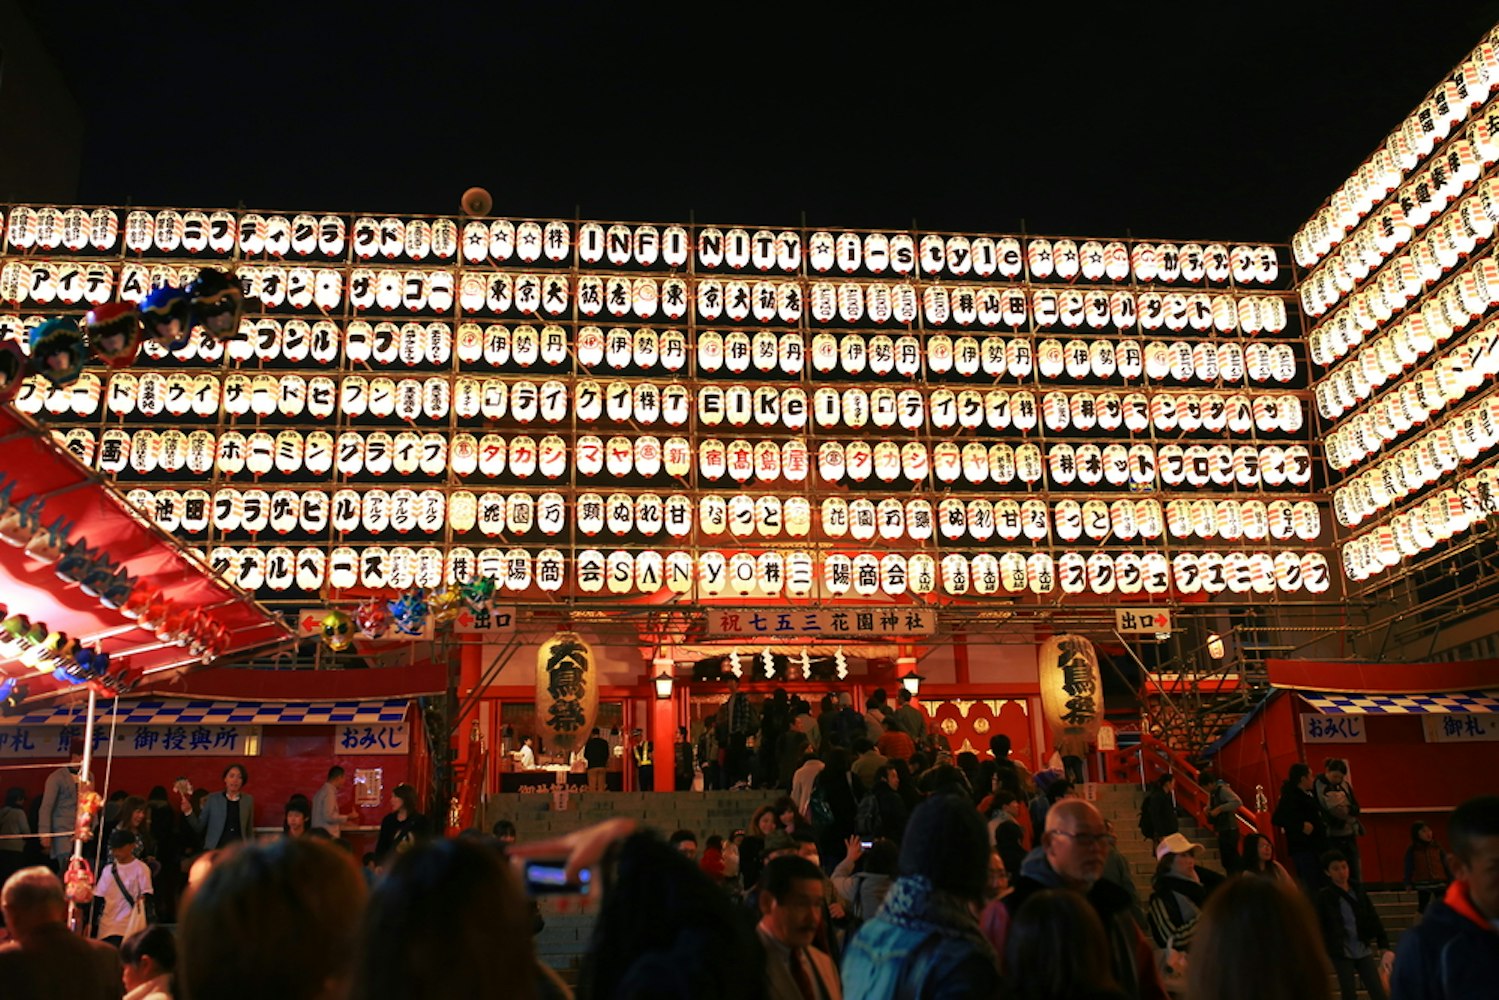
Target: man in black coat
1351 929
596 756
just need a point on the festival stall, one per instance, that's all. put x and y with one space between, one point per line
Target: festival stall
1419 739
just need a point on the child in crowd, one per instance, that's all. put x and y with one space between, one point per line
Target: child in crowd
1426 868
121 883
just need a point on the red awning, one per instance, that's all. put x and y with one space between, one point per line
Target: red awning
40 466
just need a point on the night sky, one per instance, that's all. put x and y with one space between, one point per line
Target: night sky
1215 120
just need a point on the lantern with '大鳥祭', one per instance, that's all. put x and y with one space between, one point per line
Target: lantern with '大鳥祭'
1071 688
567 695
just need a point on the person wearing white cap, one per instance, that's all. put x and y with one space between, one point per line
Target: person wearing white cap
1179 891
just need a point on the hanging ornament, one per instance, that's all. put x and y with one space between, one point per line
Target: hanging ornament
337 631
114 333
218 303
409 612
166 317
840 663
57 351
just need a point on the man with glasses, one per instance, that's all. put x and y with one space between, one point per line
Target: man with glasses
1072 855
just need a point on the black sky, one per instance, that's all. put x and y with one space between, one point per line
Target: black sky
1214 120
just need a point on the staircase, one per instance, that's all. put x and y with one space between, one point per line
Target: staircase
570 919
1121 804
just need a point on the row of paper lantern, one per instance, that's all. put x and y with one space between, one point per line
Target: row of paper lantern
1461 437
1439 517
252 234
1408 341
228 510
203 394
1452 101
378 453
1408 216
644 298
735 351
792 574
1453 376
1404 281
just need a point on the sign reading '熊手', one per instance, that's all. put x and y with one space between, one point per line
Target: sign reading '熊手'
876 622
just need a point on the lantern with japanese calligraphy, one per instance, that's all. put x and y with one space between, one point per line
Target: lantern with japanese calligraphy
1071 686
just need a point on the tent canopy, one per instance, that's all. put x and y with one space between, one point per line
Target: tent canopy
40 466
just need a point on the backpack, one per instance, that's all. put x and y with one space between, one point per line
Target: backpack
820 809
868 823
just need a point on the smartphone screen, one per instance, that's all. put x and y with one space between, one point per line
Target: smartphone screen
866 844
549 877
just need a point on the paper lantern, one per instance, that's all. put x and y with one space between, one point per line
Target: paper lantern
566 690
1071 685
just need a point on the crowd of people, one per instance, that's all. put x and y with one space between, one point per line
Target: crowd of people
883 869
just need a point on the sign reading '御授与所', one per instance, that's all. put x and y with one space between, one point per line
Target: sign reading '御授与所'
873 622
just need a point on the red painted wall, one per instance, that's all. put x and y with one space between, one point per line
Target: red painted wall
1396 770
293 760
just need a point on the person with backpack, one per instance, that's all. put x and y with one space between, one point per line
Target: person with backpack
832 808
882 813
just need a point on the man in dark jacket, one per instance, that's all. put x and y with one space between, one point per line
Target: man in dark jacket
596 756
1158 811
1453 953
1073 850
44 960
1351 929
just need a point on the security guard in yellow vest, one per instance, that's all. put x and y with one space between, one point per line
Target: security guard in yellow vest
645 769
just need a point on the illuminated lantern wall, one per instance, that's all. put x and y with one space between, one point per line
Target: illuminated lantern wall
1400 291
602 412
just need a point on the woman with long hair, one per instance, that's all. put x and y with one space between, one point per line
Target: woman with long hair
1057 950
1258 940
1258 856
403 826
763 823
450 919
135 817
1299 817
666 932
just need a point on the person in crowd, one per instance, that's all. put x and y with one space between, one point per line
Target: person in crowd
1013 777
1453 953
1352 932
504 832
1072 747
832 807
910 795
1340 811
895 743
14 828
43 960
1258 940
740 716
791 896
867 760
881 812
663 930
228 816
684 842
775 722
1073 849
1009 836
1300 819
112 807
150 958
802 779
850 722
1426 869
525 757
1056 949
273 920
1158 809
752 851
326 814
1178 892
449 920
925 941
403 827
135 816
864 876
994 919
122 883
788 816
298 815
968 763
1259 859
793 745
58 815
910 719
596 756
1117 870
167 828
712 862
1223 812
1058 790
874 719
944 779
643 752
709 751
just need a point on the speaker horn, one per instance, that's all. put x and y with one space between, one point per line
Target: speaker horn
476 201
